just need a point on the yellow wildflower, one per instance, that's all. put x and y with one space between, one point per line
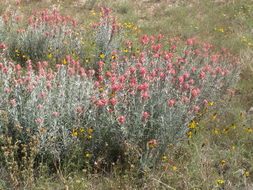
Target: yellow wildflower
87 155
174 168
138 51
216 132
214 116
232 147
233 127
89 137
249 130
223 162
246 173
90 130
125 50
189 134
220 181
101 89
75 133
102 55
225 131
192 124
64 62
49 55
210 103
164 157
87 60
81 130
112 95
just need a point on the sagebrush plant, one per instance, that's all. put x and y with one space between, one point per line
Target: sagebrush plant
47 35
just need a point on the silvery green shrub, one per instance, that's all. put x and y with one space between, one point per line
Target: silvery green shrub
136 103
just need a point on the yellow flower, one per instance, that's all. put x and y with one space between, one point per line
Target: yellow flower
102 55
164 157
220 181
214 116
89 137
225 131
87 155
216 132
246 173
192 124
113 57
249 130
101 89
87 60
49 55
174 168
223 162
81 130
112 95
233 127
16 51
90 130
75 133
138 51
64 62
210 103
52 139
241 115
232 147
125 50
189 134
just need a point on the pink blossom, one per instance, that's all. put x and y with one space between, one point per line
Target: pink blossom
194 93
205 102
113 101
38 121
3 45
186 99
172 71
145 95
12 101
54 113
145 114
99 103
186 86
144 86
196 108
79 109
180 79
49 85
171 103
132 69
20 81
193 69
142 70
186 76
202 74
39 106
6 90
18 67
121 78
43 95
104 100
121 119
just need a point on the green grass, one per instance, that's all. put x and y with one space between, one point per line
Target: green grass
197 162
